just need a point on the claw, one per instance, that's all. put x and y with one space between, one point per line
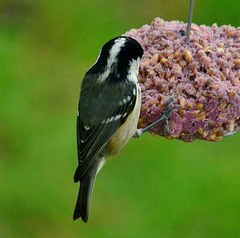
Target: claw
163 119
168 113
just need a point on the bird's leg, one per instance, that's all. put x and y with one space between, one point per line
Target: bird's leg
163 119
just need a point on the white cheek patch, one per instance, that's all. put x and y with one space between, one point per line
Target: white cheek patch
133 70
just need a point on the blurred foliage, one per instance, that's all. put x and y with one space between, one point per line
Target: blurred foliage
154 187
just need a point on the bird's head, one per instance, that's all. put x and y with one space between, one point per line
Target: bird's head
119 59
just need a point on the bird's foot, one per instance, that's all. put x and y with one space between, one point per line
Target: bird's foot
163 119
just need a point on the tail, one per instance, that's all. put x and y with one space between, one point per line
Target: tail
85 193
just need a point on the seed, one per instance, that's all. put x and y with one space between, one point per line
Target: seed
172 79
140 120
236 62
200 131
201 116
188 56
235 82
204 134
163 61
146 62
220 50
182 102
198 46
154 59
211 71
230 106
231 94
218 138
217 130
196 112
222 76
141 79
182 63
177 69
195 28
223 105
144 108
182 112
205 59
191 104
207 48
212 137
231 127
215 86
176 55
201 53
221 45
200 106
210 123
152 102
221 133
230 32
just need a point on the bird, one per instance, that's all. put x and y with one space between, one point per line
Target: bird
108 113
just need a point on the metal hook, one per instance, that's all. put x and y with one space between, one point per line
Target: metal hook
190 16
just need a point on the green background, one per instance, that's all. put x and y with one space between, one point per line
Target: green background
154 187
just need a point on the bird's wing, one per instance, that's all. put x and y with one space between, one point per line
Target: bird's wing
91 139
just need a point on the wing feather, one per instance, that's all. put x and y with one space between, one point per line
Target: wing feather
91 139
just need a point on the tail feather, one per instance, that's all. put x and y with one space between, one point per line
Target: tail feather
85 194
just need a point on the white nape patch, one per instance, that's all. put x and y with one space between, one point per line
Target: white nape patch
125 114
86 127
124 101
102 162
134 92
117 117
118 44
128 98
133 70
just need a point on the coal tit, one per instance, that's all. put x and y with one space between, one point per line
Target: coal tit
108 113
